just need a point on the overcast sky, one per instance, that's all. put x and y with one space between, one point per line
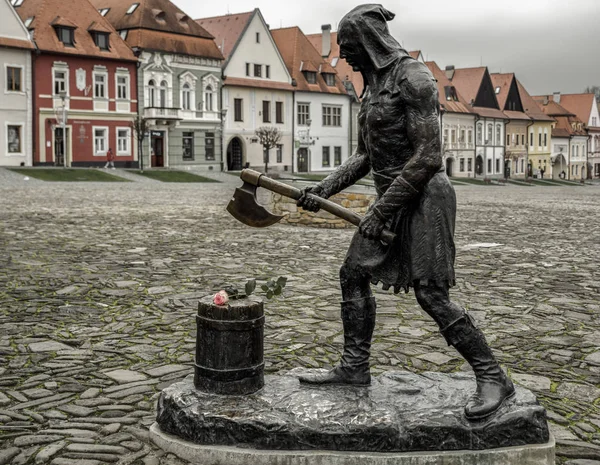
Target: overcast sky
551 45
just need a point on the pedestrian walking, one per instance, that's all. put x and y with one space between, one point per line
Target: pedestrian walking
110 159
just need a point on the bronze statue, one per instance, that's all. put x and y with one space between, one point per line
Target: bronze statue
399 144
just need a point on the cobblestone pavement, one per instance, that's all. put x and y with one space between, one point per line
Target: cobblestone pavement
99 283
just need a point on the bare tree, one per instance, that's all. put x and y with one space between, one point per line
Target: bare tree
140 128
593 90
268 137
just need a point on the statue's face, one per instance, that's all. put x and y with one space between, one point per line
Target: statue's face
350 50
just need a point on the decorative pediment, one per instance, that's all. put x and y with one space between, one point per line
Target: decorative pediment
210 80
157 61
188 77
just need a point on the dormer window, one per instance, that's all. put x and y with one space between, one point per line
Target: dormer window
329 79
334 61
28 21
123 34
17 3
451 95
310 76
498 90
101 40
66 35
104 11
132 8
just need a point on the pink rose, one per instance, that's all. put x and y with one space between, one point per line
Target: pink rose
221 298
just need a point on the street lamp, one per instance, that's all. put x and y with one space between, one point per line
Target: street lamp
223 116
63 98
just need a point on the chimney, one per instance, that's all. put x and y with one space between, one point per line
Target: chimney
326 40
557 97
450 72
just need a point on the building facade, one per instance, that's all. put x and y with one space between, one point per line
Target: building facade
179 82
15 88
257 92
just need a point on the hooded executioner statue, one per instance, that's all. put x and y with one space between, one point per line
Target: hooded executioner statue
399 144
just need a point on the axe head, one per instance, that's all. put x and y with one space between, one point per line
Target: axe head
244 207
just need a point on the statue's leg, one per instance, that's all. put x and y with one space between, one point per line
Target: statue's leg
358 318
459 330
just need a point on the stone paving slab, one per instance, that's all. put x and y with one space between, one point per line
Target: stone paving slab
66 251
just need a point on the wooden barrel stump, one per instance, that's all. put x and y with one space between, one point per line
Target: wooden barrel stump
230 346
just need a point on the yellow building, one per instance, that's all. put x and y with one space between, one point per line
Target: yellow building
539 138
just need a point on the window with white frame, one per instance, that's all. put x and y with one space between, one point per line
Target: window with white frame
100 85
208 98
332 116
151 93
60 81
186 97
490 134
303 114
123 141
122 87
14 139
498 134
162 103
188 145
209 145
480 134
279 153
100 141
14 79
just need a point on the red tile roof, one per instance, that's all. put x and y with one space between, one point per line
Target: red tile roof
16 43
451 106
489 112
158 40
532 109
226 29
580 104
468 81
502 84
564 118
298 53
260 83
71 13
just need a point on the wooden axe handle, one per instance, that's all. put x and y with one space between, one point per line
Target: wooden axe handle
257 179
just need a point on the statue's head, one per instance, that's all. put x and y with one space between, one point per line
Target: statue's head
364 38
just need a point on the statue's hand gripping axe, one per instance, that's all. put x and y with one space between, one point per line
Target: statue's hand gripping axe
245 208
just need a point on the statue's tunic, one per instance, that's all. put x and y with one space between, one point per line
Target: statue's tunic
424 250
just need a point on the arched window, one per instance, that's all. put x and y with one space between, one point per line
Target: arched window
480 134
490 134
208 98
186 97
163 94
151 93
498 134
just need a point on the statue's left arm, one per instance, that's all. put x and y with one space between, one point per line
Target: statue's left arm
423 130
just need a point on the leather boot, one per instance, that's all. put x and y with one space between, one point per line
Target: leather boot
358 318
493 386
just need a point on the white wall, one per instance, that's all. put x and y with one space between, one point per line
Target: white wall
494 150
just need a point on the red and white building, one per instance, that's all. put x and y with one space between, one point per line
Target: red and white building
83 63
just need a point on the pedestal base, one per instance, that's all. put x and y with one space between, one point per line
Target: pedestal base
541 454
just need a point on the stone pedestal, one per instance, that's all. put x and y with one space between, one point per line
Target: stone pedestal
400 416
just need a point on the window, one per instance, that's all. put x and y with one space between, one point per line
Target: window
462 165
163 94
257 70
508 139
258 37
66 35
122 87
545 138
445 136
13 79
279 153
453 136
28 21
498 134
329 79
101 40
99 86
186 95
497 90
267 71
540 139
531 139
208 98
522 165
188 145
325 156
462 136
266 111
104 11
100 141
332 116
337 156
132 8
489 167
209 145
310 76
279 112
123 34
469 164
14 138
247 69
480 134
152 93
123 141
237 109
497 165
303 114
523 139
470 137
490 135
16 3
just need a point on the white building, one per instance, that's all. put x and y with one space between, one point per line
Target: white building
257 91
322 110
15 84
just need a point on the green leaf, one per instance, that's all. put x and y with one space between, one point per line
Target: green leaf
271 283
282 281
264 287
277 290
250 286
269 294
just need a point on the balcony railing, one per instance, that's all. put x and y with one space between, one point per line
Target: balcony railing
162 113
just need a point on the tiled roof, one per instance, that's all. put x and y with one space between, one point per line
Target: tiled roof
296 51
71 13
452 106
158 15
564 118
226 29
260 83
489 112
16 43
468 81
580 104
518 115
550 107
532 109
175 43
502 83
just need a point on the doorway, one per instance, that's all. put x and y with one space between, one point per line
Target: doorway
449 166
234 155
479 165
61 146
157 149
303 160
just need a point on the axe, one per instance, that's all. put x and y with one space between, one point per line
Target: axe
245 208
